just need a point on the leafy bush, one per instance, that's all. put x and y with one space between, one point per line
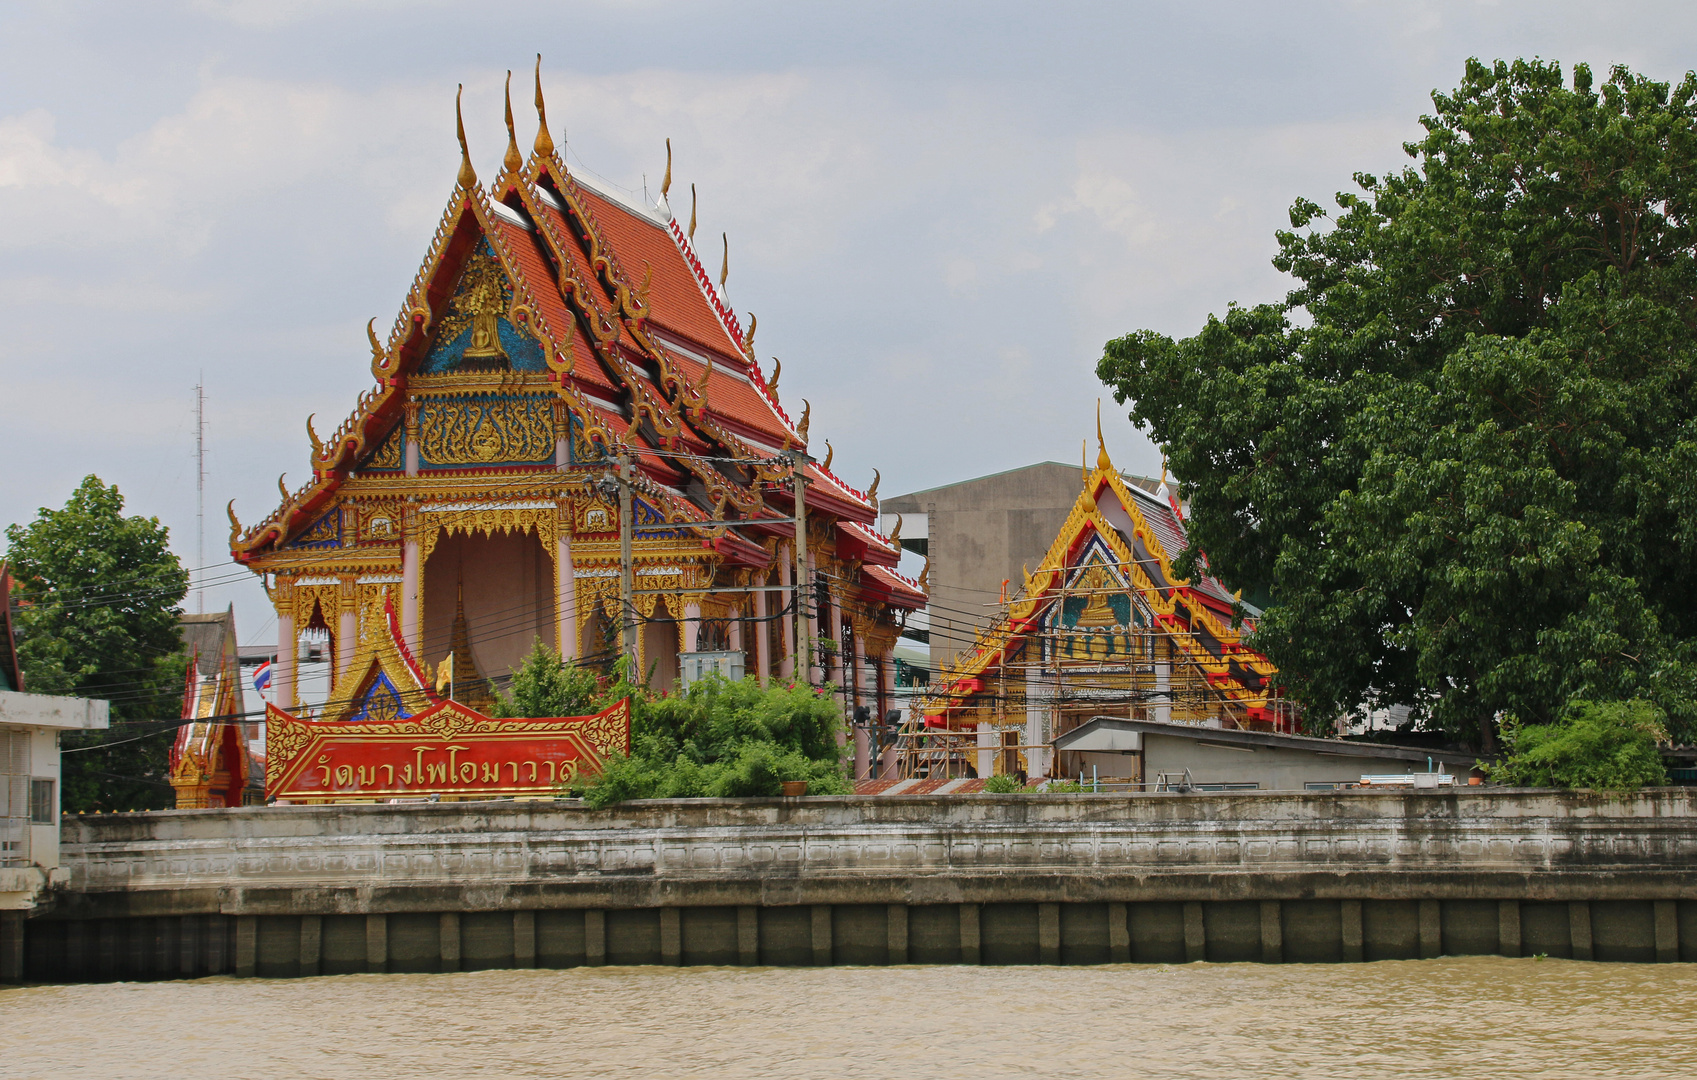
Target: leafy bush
544 685
1607 745
723 739
1003 784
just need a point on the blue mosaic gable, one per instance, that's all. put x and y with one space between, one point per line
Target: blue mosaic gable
381 702
447 354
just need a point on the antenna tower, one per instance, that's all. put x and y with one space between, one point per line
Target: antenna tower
200 491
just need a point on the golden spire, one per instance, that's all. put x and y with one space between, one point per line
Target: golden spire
830 453
692 213
513 162
544 142
725 267
1102 461
468 175
806 415
777 369
666 184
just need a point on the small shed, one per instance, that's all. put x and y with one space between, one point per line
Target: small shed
1153 755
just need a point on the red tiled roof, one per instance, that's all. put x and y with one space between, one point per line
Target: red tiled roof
675 300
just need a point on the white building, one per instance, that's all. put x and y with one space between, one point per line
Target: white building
29 805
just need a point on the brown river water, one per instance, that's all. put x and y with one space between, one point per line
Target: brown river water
1476 1017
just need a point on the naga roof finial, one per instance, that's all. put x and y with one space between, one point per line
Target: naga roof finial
872 492
235 526
544 141
666 184
777 369
924 575
512 162
706 373
317 444
896 533
692 213
806 416
725 266
468 175
830 452
748 339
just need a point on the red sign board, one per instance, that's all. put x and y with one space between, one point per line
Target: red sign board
448 750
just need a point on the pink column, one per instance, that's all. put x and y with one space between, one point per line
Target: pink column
692 626
411 585
283 669
347 629
565 593
762 638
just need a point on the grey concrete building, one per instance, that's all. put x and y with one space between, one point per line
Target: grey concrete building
979 533
1154 755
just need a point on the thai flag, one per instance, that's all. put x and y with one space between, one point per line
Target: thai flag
262 677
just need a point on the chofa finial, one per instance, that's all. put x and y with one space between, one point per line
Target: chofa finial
872 491
1102 461
806 417
235 526
748 339
468 175
544 141
777 369
513 161
666 184
896 533
691 213
725 266
830 453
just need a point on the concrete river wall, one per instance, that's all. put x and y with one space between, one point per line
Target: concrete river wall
987 879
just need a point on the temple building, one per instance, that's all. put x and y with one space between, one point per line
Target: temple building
1102 626
562 349
213 762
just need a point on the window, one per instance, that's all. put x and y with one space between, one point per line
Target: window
43 801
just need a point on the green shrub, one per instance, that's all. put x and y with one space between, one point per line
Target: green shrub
1605 745
723 739
544 685
1004 784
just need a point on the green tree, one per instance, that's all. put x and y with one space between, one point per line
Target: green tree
1461 456
723 739
544 685
98 619
1606 745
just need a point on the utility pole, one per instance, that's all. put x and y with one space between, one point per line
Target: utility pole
803 640
627 616
200 491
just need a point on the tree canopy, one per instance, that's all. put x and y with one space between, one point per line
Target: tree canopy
1461 456
99 619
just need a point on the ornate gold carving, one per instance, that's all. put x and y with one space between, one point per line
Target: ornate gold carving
480 432
389 453
545 521
478 302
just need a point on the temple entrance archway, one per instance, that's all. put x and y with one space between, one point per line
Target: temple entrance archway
504 584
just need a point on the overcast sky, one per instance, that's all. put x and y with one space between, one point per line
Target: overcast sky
939 211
